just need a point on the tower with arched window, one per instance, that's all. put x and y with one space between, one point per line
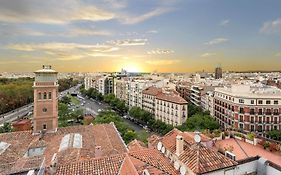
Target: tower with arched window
45 116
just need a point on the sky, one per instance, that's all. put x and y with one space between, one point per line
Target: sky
140 35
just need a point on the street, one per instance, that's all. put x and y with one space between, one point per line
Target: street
93 107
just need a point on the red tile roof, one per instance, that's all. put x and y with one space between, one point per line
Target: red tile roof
208 160
250 149
104 135
108 165
153 161
152 91
171 97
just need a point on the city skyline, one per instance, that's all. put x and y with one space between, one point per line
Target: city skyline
140 36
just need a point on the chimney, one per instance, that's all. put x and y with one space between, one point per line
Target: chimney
179 145
98 152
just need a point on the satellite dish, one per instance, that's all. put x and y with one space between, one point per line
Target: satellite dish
182 170
176 165
163 150
159 146
197 138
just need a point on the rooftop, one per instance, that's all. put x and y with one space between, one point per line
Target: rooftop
152 91
83 139
257 90
251 150
171 97
208 159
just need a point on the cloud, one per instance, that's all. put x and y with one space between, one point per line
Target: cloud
162 62
278 54
128 42
271 27
152 31
51 11
86 32
208 54
62 46
68 51
216 41
130 19
160 52
224 22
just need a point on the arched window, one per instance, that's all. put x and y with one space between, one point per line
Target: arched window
39 96
50 95
45 95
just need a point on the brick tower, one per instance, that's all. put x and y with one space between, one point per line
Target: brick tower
45 116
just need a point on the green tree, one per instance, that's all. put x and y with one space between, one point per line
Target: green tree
129 136
65 99
275 135
6 128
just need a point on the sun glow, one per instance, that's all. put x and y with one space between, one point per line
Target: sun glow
131 67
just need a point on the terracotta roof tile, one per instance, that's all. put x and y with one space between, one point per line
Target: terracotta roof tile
171 97
13 159
208 159
108 165
152 91
153 159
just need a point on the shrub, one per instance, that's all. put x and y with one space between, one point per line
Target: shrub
266 144
273 147
251 136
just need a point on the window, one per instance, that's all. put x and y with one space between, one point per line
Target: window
50 95
44 126
275 102
45 95
252 111
268 102
241 110
260 102
241 100
260 111
44 109
39 96
252 101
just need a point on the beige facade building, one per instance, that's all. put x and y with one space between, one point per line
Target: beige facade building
45 100
149 97
171 108
121 89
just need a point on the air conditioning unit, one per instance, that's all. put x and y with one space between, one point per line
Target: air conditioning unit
230 155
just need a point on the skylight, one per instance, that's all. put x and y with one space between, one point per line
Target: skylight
3 146
71 140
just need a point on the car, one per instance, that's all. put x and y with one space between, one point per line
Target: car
99 110
125 117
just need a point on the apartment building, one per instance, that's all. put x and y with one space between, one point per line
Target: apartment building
171 108
254 108
207 102
149 97
195 95
184 89
121 88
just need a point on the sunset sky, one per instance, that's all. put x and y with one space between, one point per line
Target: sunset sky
140 35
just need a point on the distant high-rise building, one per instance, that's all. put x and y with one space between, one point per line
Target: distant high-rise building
45 117
218 72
